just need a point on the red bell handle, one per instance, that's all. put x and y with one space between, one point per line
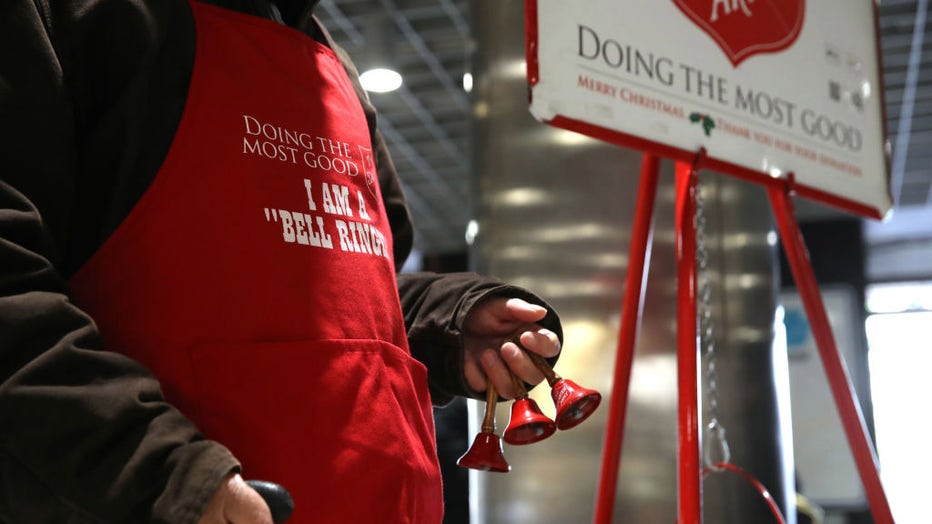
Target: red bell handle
276 497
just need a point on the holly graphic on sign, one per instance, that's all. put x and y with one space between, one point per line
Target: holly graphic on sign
708 124
744 28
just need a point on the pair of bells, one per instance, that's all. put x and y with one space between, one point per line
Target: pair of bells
528 424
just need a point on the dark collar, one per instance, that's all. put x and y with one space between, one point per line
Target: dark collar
289 12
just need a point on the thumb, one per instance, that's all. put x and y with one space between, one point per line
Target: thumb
498 316
243 505
236 503
524 311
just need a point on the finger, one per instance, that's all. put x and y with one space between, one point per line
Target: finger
541 341
474 369
520 364
474 374
498 372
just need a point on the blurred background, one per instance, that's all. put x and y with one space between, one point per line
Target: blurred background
492 190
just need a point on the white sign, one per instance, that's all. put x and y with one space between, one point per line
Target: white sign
767 87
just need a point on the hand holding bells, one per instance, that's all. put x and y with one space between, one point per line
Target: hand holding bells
528 424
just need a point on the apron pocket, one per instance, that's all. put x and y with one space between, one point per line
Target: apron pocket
329 420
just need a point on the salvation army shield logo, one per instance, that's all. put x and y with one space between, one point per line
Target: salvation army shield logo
744 28
368 167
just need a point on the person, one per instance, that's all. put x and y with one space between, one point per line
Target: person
200 236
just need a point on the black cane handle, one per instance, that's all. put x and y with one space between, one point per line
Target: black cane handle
276 497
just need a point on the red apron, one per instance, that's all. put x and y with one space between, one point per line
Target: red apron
255 279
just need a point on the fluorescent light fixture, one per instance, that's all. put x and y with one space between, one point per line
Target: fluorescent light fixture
472 230
380 80
467 82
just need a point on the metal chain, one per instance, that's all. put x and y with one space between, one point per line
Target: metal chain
716 443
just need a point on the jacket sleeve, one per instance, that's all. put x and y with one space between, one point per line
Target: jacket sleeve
435 305
86 435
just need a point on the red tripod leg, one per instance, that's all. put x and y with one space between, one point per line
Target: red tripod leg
851 417
690 473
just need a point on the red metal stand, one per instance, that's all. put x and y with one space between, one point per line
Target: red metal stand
851 417
632 305
689 509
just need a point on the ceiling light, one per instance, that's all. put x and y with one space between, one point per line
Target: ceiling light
380 80
472 230
467 82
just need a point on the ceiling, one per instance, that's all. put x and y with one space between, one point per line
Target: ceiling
427 121
901 247
907 77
